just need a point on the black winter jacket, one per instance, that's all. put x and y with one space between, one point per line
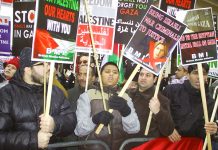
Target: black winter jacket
20 107
187 110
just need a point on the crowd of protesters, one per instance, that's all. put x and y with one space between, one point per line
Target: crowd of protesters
76 114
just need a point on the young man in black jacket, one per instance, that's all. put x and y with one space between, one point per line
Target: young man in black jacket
186 106
22 123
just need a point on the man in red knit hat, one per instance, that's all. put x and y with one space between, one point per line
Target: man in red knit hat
10 67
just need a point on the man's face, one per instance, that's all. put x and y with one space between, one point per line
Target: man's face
194 78
145 80
9 71
37 74
180 72
110 75
83 60
159 51
82 76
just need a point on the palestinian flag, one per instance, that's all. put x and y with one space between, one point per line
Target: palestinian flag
115 58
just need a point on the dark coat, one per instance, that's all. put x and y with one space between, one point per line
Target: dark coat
187 110
161 123
20 107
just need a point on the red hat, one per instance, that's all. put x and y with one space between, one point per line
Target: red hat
14 61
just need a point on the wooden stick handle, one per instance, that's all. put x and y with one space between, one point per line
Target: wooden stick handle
50 83
212 118
98 130
203 98
155 95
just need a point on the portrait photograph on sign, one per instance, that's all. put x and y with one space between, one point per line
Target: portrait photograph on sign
154 40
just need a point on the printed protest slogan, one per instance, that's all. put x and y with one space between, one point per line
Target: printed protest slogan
154 40
55 31
5 34
173 6
23 15
198 44
103 21
129 17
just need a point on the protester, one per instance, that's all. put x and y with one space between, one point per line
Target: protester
144 102
10 67
90 112
186 106
23 124
180 75
75 92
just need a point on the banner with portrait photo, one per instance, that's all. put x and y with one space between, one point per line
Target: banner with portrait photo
173 6
154 40
103 21
5 36
23 23
198 43
55 31
129 16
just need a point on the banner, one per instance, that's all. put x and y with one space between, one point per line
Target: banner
129 16
103 21
24 14
55 30
198 44
5 36
173 6
154 40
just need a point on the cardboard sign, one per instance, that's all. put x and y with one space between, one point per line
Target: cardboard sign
173 6
23 15
103 21
5 36
55 31
154 40
129 16
198 44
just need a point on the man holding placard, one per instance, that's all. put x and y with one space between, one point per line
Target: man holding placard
186 106
144 102
23 124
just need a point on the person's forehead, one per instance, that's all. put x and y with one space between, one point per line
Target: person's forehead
144 71
11 65
110 67
84 58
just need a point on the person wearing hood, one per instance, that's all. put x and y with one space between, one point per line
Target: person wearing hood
10 67
23 124
90 112
186 106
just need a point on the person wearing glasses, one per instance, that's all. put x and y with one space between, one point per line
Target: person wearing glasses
186 106
23 124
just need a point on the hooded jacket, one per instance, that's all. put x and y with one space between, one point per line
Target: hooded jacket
20 107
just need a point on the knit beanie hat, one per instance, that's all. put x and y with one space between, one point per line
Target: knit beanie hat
14 61
25 58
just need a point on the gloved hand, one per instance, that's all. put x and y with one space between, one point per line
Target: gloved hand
103 117
120 104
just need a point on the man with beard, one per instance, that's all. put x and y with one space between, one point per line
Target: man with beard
23 124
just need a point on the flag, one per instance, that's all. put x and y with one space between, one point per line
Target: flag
163 143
